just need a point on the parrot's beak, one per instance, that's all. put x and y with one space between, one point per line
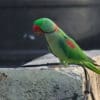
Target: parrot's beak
39 33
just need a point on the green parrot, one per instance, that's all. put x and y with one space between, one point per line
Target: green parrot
63 46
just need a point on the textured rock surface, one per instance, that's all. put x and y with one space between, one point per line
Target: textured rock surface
20 84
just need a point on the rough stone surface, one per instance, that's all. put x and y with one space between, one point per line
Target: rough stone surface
21 84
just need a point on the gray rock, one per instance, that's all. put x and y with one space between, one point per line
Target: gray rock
36 84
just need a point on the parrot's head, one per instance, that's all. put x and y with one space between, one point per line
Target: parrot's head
44 26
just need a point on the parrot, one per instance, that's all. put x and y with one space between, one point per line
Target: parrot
63 46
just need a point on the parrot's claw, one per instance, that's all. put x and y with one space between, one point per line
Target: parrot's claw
64 63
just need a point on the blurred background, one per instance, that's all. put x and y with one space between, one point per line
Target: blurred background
80 19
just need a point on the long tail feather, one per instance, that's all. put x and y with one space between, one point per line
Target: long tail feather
91 67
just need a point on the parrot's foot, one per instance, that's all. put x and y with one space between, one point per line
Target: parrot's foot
64 63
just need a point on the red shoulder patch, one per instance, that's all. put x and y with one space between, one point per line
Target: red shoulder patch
70 43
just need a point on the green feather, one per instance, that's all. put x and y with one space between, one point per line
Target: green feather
64 47
44 25
91 66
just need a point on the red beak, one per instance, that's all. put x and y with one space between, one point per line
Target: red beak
36 29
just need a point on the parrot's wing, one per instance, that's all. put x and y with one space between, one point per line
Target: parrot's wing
73 51
51 51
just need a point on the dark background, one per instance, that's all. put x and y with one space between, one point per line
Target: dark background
78 18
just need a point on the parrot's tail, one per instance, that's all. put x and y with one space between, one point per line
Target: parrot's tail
91 67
